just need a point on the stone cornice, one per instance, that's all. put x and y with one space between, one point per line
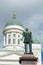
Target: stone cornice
15 29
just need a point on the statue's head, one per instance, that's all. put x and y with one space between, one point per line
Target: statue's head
26 29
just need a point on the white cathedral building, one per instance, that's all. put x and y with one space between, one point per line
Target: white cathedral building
13 47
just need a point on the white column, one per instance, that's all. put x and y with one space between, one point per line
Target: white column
16 41
11 38
7 39
4 40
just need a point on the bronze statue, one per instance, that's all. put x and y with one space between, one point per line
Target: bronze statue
28 41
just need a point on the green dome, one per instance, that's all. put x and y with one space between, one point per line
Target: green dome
36 41
14 21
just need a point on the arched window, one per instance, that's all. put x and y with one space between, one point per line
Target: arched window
14 35
9 36
18 36
9 39
18 39
13 41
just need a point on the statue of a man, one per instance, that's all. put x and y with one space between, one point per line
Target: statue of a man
28 41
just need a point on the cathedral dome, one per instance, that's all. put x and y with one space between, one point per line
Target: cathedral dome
13 21
13 31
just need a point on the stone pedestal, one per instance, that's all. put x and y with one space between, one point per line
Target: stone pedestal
28 59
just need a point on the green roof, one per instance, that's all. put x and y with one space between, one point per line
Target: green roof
36 41
13 21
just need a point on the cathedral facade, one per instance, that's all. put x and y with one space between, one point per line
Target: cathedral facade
13 47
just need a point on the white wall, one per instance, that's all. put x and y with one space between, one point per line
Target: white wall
37 52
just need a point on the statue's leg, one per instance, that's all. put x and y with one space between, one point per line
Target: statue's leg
25 48
30 47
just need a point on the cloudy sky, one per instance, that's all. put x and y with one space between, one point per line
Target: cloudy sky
29 12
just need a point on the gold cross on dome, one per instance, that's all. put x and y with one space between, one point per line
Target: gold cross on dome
14 14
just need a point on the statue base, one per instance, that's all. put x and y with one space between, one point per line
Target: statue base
29 53
28 59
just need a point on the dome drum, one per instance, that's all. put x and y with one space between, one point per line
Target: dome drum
13 28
